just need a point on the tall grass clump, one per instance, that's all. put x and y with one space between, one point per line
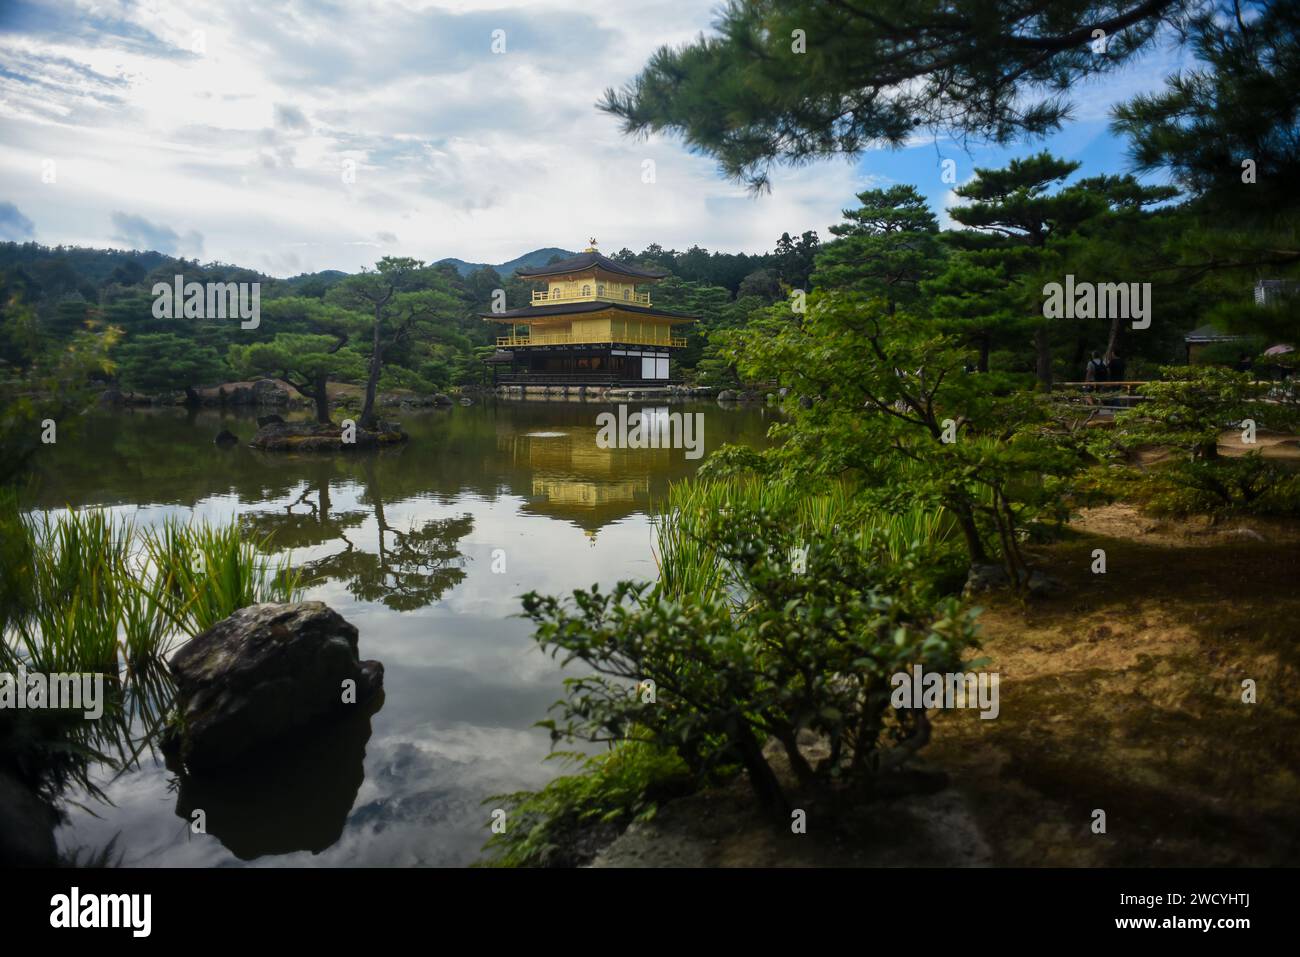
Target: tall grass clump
92 593
923 539
67 615
85 592
202 574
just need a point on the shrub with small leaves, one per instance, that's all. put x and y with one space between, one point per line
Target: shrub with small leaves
1191 405
783 652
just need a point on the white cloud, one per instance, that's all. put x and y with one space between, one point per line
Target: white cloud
242 147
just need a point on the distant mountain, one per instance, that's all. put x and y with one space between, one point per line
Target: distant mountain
538 257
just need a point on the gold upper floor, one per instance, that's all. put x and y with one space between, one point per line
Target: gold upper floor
604 327
589 289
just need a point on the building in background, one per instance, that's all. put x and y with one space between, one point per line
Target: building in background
593 324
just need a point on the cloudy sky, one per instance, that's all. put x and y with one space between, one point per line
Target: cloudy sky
313 134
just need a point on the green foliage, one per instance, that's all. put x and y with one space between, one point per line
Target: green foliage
897 413
87 585
42 381
296 357
1187 411
307 360
1190 406
197 575
547 828
84 592
17 557
696 265
73 583
1245 485
71 292
873 72
712 305
1229 353
795 258
1237 104
887 247
1029 229
160 362
408 308
780 653
917 542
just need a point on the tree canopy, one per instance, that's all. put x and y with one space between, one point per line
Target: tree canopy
797 80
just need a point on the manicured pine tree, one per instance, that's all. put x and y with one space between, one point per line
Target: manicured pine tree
886 247
402 301
1018 207
311 352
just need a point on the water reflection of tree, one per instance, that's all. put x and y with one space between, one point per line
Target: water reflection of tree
407 569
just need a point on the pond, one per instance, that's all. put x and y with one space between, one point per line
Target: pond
426 549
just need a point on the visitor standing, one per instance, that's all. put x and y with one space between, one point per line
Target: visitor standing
1115 368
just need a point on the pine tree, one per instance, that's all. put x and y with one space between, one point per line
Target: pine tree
886 247
793 80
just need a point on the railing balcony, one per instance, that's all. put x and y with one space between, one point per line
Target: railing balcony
567 339
542 298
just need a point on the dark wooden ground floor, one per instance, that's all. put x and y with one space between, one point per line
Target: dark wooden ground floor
597 365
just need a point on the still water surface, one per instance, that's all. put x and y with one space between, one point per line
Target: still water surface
404 542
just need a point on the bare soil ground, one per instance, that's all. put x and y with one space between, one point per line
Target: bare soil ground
1122 692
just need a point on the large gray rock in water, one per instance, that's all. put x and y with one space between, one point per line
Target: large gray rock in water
264 672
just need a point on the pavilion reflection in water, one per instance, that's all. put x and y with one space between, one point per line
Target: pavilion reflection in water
572 478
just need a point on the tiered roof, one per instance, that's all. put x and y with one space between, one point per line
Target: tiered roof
587 262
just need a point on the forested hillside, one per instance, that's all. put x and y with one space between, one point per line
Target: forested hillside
314 322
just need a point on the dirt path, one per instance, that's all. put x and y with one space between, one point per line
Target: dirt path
1124 693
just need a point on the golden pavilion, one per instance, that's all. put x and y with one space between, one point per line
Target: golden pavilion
591 325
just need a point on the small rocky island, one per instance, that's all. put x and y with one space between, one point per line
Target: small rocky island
324 437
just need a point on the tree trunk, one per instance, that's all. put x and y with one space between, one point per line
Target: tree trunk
1080 358
984 341
372 381
1113 341
798 763
321 397
974 546
1043 346
765 784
